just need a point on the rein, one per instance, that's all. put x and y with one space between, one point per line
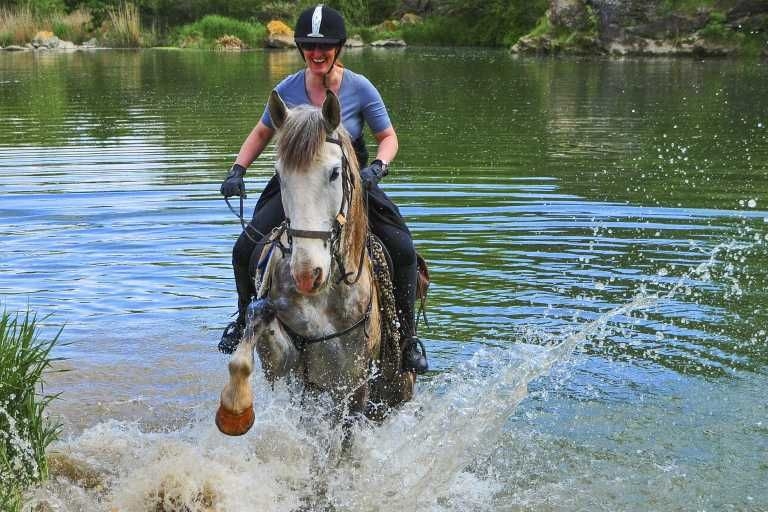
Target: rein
245 225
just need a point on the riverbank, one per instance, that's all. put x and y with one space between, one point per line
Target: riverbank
717 28
608 27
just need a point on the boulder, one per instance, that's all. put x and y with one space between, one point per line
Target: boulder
229 43
46 39
389 43
410 18
279 35
569 14
15 48
354 42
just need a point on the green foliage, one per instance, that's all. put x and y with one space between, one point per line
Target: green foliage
477 23
355 12
716 30
380 10
284 11
203 33
25 431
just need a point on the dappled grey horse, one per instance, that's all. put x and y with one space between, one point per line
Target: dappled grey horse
317 314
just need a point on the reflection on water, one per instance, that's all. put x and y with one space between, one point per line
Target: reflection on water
596 232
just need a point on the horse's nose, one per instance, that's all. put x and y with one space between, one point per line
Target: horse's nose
309 281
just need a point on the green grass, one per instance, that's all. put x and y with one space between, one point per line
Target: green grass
25 429
205 32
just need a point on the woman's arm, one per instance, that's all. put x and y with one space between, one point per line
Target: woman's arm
254 144
388 145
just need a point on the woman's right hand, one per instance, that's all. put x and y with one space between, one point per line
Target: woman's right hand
234 185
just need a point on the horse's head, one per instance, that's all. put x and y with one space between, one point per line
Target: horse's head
315 181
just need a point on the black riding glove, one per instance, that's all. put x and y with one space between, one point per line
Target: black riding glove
234 184
372 174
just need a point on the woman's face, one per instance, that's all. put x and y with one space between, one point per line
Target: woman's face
319 57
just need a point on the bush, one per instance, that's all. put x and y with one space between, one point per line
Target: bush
204 33
25 432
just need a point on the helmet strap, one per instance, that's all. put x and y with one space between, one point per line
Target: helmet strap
333 65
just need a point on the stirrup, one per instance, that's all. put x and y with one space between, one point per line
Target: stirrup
230 338
415 356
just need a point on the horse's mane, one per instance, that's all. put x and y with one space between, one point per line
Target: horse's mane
300 139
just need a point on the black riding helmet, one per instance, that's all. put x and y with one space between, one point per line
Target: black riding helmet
320 24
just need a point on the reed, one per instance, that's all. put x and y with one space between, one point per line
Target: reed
17 25
25 429
125 23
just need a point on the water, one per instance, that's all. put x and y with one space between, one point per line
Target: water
597 234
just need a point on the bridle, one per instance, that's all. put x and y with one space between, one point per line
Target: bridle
332 238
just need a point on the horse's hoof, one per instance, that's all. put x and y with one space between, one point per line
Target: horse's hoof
235 424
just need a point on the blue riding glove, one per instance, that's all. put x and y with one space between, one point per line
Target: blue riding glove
372 174
234 184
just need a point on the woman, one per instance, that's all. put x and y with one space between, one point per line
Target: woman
320 35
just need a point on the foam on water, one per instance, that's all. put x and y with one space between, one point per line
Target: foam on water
422 456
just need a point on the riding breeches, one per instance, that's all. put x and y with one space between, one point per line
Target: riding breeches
385 222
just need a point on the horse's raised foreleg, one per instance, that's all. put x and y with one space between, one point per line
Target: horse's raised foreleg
235 415
278 356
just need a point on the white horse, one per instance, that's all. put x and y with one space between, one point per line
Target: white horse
317 316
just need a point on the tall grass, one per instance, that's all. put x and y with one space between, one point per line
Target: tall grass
25 430
125 23
17 25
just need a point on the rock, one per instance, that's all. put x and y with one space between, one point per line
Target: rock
66 45
410 18
91 43
387 26
228 42
279 35
389 43
569 14
46 39
354 42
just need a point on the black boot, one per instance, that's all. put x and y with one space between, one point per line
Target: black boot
404 284
231 336
414 356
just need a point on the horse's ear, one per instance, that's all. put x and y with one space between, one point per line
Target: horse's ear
277 109
331 110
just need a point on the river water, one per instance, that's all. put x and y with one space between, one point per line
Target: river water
597 233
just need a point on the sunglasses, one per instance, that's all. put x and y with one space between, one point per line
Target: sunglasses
323 47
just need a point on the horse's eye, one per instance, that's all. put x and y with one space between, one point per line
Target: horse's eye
334 173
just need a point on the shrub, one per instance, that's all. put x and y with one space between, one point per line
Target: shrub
25 431
205 32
